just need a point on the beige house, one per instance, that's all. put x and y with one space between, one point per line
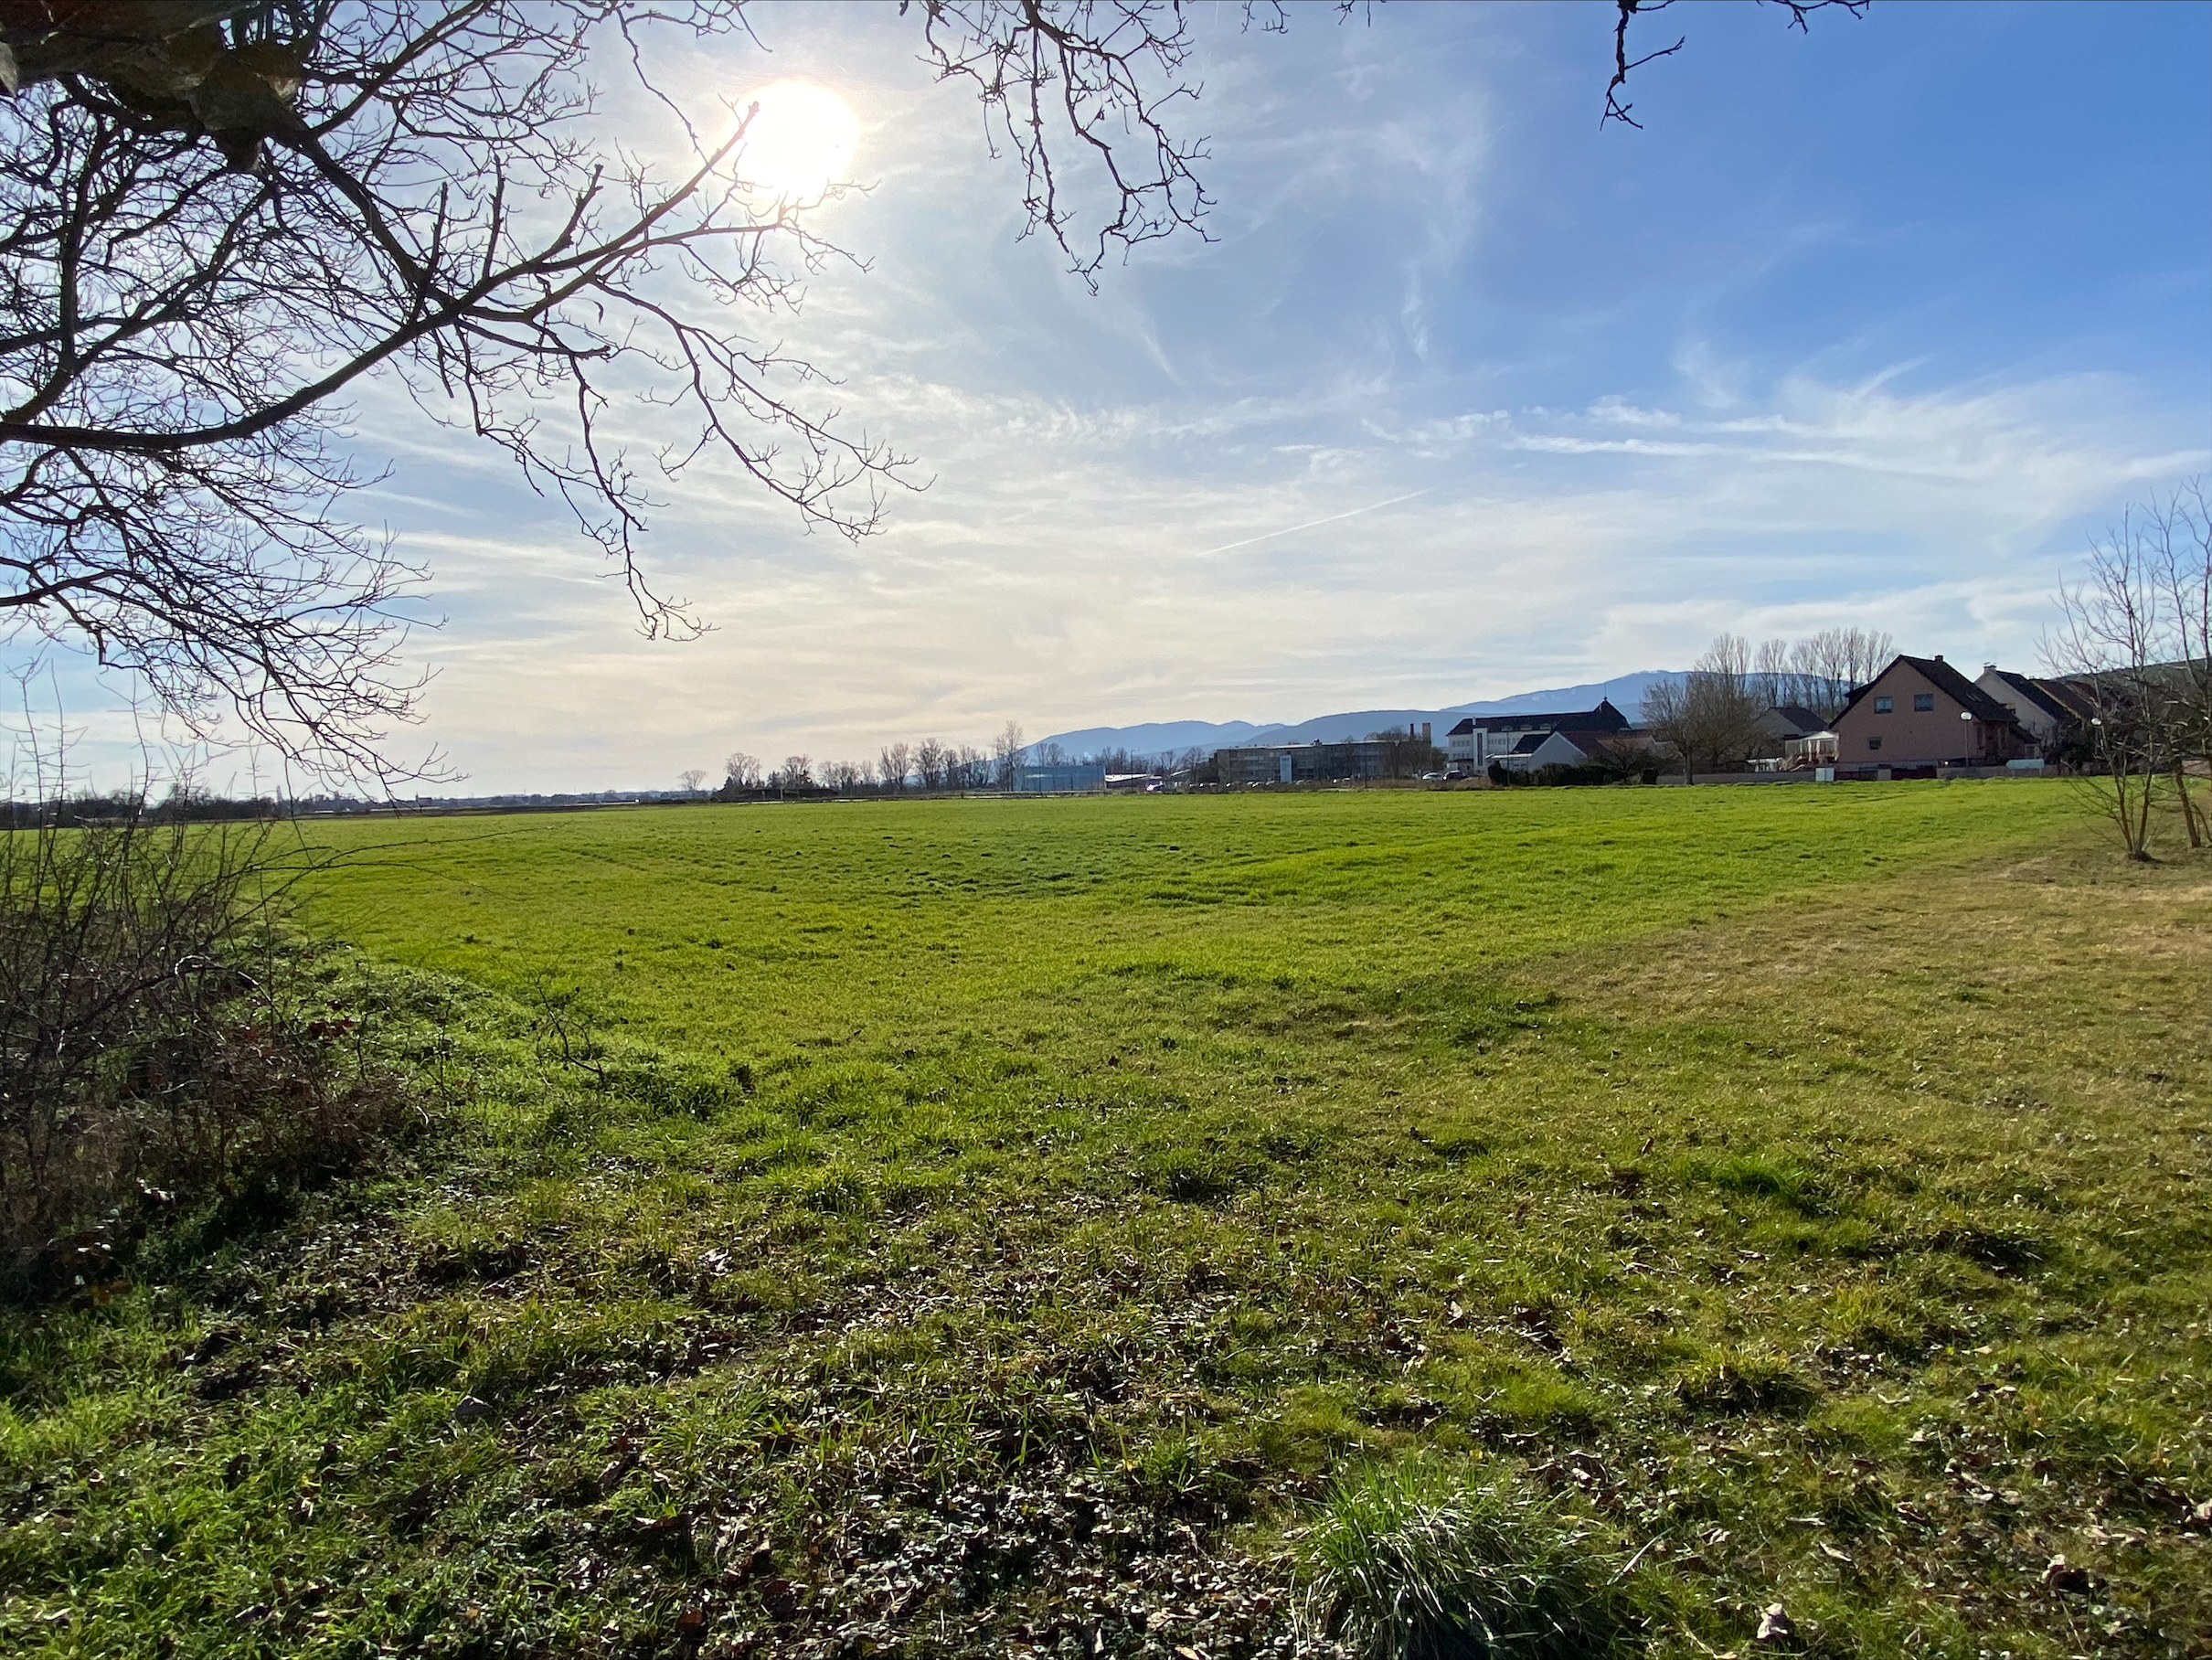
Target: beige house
1921 712
2052 712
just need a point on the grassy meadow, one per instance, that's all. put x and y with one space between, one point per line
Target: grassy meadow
1066 1227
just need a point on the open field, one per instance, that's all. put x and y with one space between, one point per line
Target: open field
996 1226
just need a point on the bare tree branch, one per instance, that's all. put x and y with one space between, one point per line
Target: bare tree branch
1618 108
218 221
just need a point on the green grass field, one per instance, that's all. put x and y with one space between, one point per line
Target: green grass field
1018 1228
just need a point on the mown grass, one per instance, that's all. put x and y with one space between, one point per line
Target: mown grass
1009 1227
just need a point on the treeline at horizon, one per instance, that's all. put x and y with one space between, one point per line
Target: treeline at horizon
932 764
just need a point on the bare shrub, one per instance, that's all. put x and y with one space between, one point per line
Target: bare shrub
160 1038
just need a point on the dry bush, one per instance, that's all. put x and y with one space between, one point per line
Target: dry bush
161 1041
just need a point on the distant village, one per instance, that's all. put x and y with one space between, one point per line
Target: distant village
1730 719
1843 705
1917 718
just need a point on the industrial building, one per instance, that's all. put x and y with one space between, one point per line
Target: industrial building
1320 762
1065 778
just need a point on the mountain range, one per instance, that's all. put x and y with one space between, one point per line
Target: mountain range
1171 737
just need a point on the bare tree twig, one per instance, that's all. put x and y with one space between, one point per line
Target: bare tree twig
220 218
1618 109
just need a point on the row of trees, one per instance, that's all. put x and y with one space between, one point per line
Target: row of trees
930 764
1817 673
933 765
2133 652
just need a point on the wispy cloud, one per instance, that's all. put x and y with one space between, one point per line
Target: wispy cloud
1463 397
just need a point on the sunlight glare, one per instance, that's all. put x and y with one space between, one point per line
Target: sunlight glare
799 143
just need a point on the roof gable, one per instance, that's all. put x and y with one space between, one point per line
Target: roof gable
2071 698
1959 689
1945 679
2043 693
1604 717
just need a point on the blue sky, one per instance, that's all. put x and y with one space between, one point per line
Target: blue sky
1869 326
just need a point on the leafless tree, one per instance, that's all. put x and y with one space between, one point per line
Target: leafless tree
1837 662
797 772
1773 678
893 765
692 778
1196 766
1727 704
2134 646
2107 647
1709 718
2177 536
930 760
1667 715
1405 754
744 771
1006 753
221 217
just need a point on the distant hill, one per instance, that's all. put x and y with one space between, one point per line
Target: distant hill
1155 737
1171 737
1626 691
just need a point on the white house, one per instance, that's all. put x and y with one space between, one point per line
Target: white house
1480 740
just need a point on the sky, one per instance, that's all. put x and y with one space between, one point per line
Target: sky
1467 394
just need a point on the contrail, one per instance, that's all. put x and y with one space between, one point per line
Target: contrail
1332 518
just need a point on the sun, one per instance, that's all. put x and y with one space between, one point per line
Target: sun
799 143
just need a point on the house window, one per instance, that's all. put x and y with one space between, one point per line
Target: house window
1922 702
1882 705
1874 743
